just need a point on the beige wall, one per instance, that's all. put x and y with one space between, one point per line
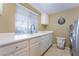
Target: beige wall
63 30
7 18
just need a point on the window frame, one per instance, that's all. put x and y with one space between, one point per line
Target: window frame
29 16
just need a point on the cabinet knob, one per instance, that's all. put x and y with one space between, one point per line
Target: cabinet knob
16 47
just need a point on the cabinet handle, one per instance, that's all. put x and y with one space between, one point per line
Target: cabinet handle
16 47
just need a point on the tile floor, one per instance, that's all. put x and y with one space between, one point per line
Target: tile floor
54 51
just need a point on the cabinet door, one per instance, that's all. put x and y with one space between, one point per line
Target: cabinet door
44 19
7 49
49 39
46 41
44 45
12 48
22 49
21 52
35 49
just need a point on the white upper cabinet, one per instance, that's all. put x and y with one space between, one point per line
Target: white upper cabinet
44 19
1 8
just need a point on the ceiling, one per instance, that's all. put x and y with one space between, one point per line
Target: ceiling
50 8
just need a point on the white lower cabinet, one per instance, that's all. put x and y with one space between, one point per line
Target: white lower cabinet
6 50
22 49
44 45
21 52
40 44
31 47
50 39
46 41
35 50
19 48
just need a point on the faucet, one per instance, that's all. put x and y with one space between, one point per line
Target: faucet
32 28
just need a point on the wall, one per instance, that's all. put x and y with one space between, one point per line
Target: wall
7 18
63 30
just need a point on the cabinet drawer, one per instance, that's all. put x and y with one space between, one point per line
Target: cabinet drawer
7 49
21 45
22 52
35 50
35 40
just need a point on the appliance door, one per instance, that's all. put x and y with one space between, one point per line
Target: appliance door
74 35
75 38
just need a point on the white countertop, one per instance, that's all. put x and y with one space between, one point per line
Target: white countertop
8 38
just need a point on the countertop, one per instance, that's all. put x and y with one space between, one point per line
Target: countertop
9 38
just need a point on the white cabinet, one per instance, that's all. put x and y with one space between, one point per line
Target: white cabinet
6 50
22 49
1 8
46 42
17 49
35 47
40 44
21 52
43 46
32 47
44 19
35 50
50 39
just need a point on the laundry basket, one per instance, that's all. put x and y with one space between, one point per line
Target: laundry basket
61 42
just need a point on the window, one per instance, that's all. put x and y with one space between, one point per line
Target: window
23 21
